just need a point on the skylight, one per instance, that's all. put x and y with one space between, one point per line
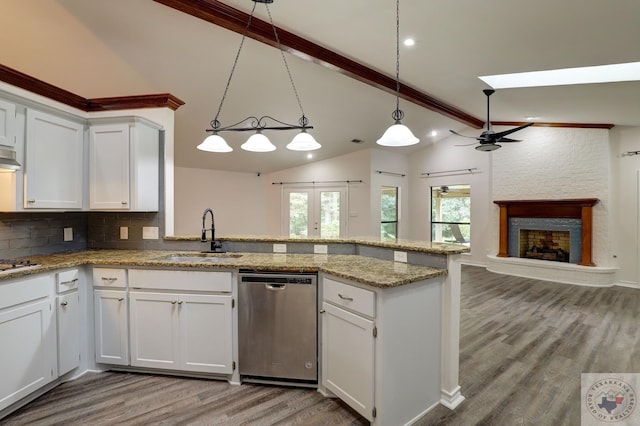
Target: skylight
566 76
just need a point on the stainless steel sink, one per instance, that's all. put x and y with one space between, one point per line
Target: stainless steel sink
200 257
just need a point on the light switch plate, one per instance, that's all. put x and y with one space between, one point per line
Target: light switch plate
320 248
124 232
400 256
149 232
68 234
279 248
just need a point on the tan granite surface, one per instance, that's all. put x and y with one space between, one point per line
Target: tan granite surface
365 270
400 244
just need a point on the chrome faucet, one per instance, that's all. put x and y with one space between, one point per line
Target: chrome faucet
216 246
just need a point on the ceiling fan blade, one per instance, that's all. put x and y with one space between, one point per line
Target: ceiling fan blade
498 135
508 140
466 144
464 136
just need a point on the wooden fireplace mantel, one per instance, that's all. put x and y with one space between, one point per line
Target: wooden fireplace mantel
579 208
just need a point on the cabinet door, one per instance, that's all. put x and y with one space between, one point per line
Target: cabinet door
68 317
27 360
154 330
111 327
205 333
7 123
109 167
348 358
53 162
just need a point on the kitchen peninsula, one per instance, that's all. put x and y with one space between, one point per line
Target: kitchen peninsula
413 302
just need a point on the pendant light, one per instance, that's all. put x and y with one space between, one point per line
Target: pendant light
398 134
258 142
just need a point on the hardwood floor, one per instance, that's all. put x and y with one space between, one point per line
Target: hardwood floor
524 344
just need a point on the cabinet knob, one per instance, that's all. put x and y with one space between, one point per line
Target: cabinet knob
173 302
180 302
322 311
124 203
64 303
120 299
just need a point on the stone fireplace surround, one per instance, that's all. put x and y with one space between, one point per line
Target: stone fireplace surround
584 272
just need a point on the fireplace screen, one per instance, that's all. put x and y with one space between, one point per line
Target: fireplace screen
545 245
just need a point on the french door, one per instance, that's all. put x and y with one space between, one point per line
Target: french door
315 211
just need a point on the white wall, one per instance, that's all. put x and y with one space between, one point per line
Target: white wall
353 166
444 156
625 194
237 201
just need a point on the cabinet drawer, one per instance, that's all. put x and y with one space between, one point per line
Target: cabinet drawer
159 279
354 298
24 290
108 277
67 280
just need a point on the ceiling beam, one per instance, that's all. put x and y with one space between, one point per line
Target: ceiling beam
235 20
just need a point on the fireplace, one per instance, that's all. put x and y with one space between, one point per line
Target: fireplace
561 230
545 245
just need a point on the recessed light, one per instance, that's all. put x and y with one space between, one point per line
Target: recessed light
309 156
409 42
433 133
531 118
566 76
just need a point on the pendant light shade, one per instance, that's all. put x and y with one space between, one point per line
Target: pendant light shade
214 143
258 143
303 141
398 135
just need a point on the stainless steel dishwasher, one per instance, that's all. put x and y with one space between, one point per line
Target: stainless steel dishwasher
277 327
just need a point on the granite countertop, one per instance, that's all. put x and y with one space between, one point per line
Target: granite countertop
399 244
365 270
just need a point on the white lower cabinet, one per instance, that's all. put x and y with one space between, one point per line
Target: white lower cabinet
348 357
28 336
68 319
190 332
111 326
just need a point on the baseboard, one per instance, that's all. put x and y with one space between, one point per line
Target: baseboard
451 399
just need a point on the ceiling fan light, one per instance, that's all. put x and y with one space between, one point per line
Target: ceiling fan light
303 141
488 147
398 135
258 143
214 143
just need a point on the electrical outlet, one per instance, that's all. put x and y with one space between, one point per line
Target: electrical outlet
149 232
124 232
68 234
400 256
320 249
279 248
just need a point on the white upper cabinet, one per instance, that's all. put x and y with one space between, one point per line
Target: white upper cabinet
53 175
124 164
7 123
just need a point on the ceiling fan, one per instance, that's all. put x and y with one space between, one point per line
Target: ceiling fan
487 141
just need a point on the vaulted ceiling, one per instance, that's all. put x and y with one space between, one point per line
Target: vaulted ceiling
123 47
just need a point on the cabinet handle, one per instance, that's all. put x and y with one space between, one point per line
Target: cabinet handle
124 203
31 201
350 299
70 282
109 279
180 302
120 299
173 302
64 303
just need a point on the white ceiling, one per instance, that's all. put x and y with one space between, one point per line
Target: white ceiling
133 47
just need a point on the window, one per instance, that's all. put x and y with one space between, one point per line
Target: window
388 212
451 214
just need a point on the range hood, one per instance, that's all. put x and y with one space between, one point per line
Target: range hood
8 161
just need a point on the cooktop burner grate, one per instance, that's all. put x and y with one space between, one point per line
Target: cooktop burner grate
8 264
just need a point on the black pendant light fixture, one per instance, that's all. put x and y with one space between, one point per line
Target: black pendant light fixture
398 134
258 142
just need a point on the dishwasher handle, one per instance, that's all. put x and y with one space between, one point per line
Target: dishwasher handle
275 287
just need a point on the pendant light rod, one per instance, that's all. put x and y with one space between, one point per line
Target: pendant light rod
260 124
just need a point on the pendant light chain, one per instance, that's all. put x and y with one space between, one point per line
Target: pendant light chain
303 119
215 123
397 59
